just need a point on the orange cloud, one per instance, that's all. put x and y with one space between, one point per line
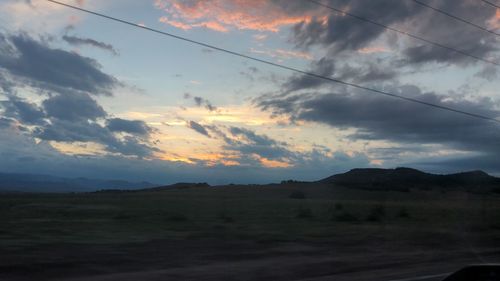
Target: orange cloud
494 22
273 163
283 54
375 49
222 15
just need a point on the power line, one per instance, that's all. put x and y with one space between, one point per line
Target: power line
456 17
404 33
276 64
491 4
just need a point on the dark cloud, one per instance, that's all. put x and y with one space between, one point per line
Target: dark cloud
78 41
71 131
15 148
442 29
68 113
250 72
131 146
135 127
25 112
6 122
73 107
326 67
198 128
88 131
247 143
341 33
252 137
380 118
489 73
52 69
369 72
323 67
199 101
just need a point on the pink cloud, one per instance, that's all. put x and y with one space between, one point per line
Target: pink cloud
494 22
374 49
283 54
223 15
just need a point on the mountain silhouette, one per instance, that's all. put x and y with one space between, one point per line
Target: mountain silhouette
403 179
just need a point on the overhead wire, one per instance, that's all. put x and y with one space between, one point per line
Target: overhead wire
491 4
441 11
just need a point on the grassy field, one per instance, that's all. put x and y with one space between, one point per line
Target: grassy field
283 213
301 228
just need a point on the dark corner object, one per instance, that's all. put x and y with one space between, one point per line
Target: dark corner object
485 272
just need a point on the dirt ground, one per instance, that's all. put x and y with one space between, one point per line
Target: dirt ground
231 260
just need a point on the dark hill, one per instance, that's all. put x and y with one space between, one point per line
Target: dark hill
403 179
10 182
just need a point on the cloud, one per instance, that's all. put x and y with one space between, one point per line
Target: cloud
374 117
328 67
26 112
199 101
77 41
224 15
489 73
442 29
135 127
341 34
52 69
198 128
67 113
92 132
323 67
248 144
73 107
18 14
283 54
16 147
252 137
252 149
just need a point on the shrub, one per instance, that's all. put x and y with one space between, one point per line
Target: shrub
377 213
346 217
338 206
297 195
403 213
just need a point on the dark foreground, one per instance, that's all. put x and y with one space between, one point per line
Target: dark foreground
293 232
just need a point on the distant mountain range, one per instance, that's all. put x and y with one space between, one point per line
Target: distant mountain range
399 179
406 178
44 183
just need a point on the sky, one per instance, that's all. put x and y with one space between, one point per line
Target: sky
82 96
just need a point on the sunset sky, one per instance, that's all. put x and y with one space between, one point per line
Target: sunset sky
82 96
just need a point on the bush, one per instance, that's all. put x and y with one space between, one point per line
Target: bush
304 213
297 195
377 213
338 206
403 213
346 217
